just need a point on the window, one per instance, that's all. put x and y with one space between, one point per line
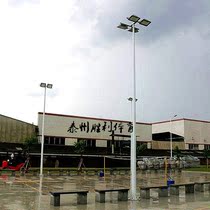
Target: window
109 144
46 140
57 140
207 147
62 142
54 140
93 143
88 142
193 146
116 144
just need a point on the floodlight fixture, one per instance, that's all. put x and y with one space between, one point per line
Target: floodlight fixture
49 86
131 99
145 22
136 30
43 85
123 26
133 18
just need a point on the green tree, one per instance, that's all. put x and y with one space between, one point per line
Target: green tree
80 146
30 141
177 152
80 149
140 148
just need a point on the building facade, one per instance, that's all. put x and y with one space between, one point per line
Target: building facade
67 129
187 134
15 131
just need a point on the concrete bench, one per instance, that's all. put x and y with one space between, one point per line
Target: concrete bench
189 188
145 191
91 171
199 186
122 194
81 196
58 171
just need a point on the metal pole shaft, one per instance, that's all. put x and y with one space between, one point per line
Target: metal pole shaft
42 139
171 147
133 136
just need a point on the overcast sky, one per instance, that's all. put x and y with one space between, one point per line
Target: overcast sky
75 45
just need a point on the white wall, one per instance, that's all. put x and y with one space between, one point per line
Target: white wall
176 126
194 131
101 143
70 141
58 125
197 132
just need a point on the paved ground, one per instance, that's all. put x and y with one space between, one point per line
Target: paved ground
32 193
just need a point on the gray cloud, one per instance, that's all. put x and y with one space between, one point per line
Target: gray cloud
166 16
173 73
175 78
179 17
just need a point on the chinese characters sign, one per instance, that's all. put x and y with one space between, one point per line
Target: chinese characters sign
100 127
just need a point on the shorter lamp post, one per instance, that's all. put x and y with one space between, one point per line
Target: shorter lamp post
45 86
171 181
171 144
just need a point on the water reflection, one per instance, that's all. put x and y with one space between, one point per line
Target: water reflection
40 193
174 199
190 197
132 205
32 193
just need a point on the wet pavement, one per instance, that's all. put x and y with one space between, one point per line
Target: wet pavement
32 193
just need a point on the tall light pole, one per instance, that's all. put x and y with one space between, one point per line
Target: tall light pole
45 86
171 144
131 28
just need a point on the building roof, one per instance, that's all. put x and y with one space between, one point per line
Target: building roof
90 118
1 115
180 119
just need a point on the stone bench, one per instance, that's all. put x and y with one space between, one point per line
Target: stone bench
189 188
145 191
122 194
81 196
92 171
199 186
58 171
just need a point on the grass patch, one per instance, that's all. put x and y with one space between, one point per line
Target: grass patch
201 169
